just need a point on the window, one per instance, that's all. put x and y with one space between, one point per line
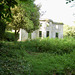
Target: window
47 34
40 33
56 26
57 35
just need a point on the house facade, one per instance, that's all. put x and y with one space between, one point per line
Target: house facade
48 28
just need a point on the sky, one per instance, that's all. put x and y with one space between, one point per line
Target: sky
57 10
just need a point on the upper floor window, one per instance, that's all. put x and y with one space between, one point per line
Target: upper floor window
57 27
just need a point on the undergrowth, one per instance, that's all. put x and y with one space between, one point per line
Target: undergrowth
38 57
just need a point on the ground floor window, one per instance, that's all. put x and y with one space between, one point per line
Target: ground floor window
47 33
57 35
40 33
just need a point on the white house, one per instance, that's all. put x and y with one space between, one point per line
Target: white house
48 28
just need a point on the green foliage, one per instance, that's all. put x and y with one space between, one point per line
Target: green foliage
2 29
5 14
14 60
5 11
9 36
31 11
55 46
25 16
69 31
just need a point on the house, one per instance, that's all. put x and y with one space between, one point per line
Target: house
48 28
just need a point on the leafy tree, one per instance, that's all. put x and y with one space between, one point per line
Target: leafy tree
19 20
28 6
25 17
31 11
69 30
5 13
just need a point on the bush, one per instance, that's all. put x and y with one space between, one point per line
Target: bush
9 36
55 46
14 60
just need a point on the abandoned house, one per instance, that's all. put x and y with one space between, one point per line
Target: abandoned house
48 28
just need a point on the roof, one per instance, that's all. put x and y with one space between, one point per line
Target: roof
49 20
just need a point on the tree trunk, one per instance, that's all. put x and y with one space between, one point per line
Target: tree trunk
69 73
2 29
15 35
54 73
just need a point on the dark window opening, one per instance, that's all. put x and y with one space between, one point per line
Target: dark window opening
57 35
40 33
47 34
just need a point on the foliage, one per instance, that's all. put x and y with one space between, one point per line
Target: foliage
28 18
9 36
5 14
14 60
69 31
69 1
2 29
31 11
55 46
5 11
25 16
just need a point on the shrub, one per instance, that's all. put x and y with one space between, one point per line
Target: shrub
14 60
9 36
55 46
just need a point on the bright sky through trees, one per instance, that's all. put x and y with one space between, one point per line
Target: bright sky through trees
58 10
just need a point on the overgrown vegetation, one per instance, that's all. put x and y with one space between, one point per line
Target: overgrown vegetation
18 14
10 36
55 46
38 57
69 31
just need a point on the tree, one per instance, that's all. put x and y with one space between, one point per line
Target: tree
24 17
31 11
28 6
5 14
69 31
19 21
